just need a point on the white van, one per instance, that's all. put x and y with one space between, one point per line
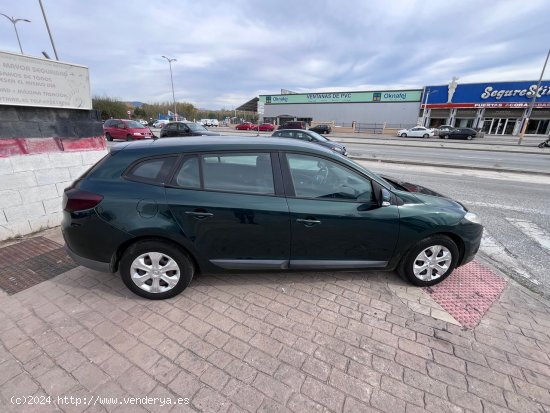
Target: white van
214 122
205 122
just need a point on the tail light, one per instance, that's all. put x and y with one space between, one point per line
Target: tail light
76 200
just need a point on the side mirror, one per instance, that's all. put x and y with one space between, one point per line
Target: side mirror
385 197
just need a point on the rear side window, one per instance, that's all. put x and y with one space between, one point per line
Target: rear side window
188 175
155 170
244 173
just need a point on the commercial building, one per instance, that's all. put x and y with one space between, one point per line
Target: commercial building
398 107
497 108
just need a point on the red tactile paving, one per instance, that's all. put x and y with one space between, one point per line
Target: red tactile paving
468 293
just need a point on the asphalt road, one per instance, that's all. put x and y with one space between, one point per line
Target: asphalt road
447 156
514 209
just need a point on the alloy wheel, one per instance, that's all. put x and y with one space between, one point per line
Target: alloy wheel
432 263
155 272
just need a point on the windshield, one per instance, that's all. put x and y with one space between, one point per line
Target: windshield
319 137
135 125
195 127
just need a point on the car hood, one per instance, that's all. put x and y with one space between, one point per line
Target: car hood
332 144
425 195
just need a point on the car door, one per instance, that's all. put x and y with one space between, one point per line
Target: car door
183 130
416 132
119 130
232 208
334 216
170 130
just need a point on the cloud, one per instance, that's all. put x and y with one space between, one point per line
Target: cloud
227 52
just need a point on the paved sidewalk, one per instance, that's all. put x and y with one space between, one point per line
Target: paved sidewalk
302 342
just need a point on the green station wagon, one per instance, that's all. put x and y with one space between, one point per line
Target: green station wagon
162 210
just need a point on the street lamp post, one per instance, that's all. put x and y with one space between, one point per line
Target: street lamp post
49 32
14 22
425 104
172 80
532 103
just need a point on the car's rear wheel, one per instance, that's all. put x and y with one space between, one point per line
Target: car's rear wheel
403 135
430 261
108 137
156 269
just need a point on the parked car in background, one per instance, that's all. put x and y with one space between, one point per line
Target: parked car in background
160 123
164 210
293 125
246 126
125 129
321 128
143 122
267 127
416 132
458 133
214 122
174 129
311 136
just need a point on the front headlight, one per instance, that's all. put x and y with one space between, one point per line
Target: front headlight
137 134
337 149
470 216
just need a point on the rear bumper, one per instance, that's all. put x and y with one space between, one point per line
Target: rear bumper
86 262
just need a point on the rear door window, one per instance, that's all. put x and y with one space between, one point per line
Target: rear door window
245 173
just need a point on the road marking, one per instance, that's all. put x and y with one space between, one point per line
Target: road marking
533 231
503 258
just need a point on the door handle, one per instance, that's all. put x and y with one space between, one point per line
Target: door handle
308 222
199 215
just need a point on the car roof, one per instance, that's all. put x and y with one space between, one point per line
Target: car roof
213 143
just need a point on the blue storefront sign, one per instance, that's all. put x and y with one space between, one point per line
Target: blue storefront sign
492 95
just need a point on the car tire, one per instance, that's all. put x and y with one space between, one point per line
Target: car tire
129 138
425 136
411 269
469 137
108 137
143 254
403 135
445 136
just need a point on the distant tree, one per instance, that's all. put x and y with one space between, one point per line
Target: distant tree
109 107
140 113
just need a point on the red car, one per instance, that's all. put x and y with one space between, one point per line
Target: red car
267 127
125 129
246 126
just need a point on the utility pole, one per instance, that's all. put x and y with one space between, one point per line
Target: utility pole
172 80
48 27
532 103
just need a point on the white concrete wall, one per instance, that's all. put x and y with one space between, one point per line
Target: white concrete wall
31 188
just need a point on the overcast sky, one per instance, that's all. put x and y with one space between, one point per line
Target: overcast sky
230 51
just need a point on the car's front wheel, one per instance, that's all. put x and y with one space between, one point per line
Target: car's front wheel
470 137
156 269
430 261
445 136
425 136
108 137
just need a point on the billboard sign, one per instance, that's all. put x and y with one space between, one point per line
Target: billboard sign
488 95
344 97
32 81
